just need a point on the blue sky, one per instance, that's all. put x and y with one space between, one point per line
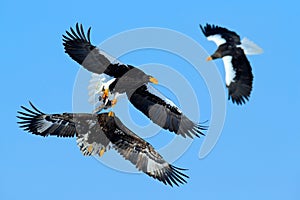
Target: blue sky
257 155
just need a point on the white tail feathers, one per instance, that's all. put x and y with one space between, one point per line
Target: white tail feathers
250 48
95 87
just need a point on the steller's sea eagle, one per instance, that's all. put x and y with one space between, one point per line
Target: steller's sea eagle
129 80
238 72
96 133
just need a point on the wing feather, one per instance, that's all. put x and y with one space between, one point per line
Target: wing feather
84 126
42 124
143 155
240 88
164 114
213 30
88 129
78 46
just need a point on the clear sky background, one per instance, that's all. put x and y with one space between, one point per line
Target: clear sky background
257 156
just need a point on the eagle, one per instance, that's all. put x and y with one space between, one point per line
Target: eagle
97 133
233 50
129 80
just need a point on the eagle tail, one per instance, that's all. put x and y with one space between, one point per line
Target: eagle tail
250 48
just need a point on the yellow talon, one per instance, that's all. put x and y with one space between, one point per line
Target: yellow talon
90 148
114 102
111 114
101 152
105 94
153 80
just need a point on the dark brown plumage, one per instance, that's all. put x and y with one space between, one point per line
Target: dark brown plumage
96 133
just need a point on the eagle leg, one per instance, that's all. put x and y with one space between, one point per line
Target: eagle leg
99 108
101 152
105 94
114 102
90 149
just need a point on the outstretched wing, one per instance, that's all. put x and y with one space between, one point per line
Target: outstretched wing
220 35
39 123
164 114
90 138
143 155
240 88
78 46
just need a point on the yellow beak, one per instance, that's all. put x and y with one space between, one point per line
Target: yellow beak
209 58
111 114
153 80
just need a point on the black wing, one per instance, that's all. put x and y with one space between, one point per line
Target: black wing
90 138
143 155
229 36
78 46
164 114
39 123
240 89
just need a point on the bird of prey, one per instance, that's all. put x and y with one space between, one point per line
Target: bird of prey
97 133
129 80
232 50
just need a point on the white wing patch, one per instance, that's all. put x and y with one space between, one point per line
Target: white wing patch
249 47
96 85
217 39
106 84
153 166
44 125
229 71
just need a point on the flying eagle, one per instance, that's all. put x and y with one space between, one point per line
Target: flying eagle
129 80
238 72
96 133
